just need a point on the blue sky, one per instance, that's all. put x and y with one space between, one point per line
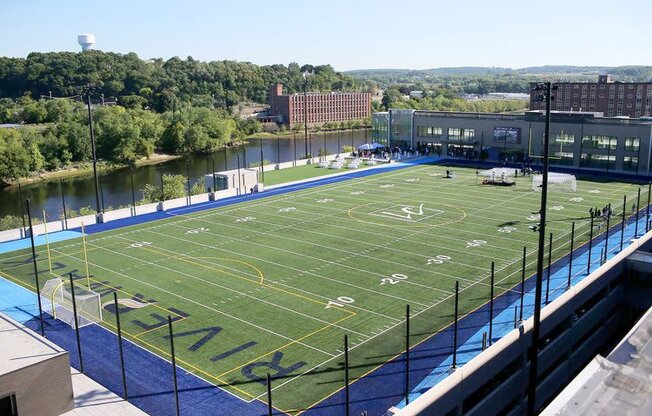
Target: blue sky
352 34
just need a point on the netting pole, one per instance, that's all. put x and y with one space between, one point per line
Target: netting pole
38 286
269 395
262 166
22 211
622 226
188 181
278 150
133 192
174 365
239 181
491 304
606 238
295 150
647 208
484 340
225 164
588 266
601 258
407 354
346 373
122 357
638 202
63 204
213 166
570 261
549 267
162 189
88 275
522 283
339 149
74 313
47 241
457 294
515 316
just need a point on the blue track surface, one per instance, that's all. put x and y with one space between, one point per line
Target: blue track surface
149 377
39 240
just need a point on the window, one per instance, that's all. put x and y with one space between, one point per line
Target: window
8 405
429 131
562 158
632 143
593 160
630 163
461 134
599 142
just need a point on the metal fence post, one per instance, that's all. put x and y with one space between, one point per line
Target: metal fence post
174 365
269 395
570 261
588 266
491 304
622 225
523 282
638 202
346 374
407 354
457 294
74 313
38 286
122 357
549 267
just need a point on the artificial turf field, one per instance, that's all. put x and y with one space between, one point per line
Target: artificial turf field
272 285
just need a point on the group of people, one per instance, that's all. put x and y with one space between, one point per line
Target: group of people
600 213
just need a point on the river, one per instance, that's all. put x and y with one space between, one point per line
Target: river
116 186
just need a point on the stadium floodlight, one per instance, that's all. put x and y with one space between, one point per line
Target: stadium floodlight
543 92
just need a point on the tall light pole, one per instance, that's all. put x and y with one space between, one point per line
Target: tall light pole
544 93
87 92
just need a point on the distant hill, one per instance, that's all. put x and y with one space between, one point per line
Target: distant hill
621 73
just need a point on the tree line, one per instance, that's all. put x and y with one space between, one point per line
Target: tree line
157 84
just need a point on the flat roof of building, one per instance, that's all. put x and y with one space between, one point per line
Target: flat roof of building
620 384
21 347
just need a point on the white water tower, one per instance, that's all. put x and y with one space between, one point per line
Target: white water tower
86 40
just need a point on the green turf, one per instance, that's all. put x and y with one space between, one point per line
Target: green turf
284 278
276 177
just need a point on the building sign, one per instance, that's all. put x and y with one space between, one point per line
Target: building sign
512 134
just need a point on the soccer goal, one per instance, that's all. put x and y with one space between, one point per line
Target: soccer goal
57 300
556 182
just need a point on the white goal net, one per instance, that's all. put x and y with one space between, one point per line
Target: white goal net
556 181
57 300
498 173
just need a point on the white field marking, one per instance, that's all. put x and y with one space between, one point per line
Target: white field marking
325 261
372 337
287 209
197 303
557 207
303 242
325 200
507 230
245 219
393 237
594 191
291 268
357 192
576 199
236 292
312 219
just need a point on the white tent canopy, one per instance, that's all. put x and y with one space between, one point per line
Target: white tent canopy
371 146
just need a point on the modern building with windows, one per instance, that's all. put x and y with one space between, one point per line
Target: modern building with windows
577 140
613 99
322 108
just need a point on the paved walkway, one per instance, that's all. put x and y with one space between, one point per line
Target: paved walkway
91 399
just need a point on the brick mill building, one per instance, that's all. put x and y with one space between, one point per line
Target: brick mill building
322 108
613 99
